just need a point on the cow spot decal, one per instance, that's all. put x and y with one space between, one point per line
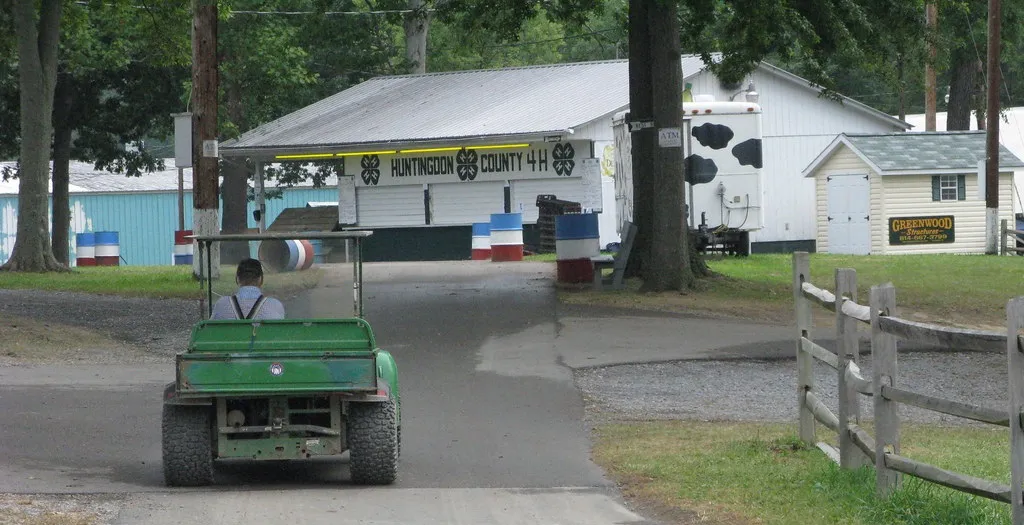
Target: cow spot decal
371 169
714 136
466 160
748 153
700 170
564 155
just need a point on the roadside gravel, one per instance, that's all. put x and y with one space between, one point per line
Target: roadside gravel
160 326
766 390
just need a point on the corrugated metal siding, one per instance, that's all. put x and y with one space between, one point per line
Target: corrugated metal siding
843 161
911 196
390 206
452 204
788 196
524 194
145 222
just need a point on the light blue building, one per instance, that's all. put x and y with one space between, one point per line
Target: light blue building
142 210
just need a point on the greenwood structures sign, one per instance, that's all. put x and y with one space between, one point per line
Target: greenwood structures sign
921 230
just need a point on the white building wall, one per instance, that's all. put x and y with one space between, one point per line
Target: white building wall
797 124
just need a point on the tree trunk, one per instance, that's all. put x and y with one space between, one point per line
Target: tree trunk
417 23
641 108
962 82
205 196
669 267
37 68
62 105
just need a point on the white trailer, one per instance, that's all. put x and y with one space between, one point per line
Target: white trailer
722 155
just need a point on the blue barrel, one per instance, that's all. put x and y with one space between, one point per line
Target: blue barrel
286 256
577 239
85 249
108 249
506 237
318 250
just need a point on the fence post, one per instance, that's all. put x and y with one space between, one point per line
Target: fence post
1002 237
847 349
1015 359
804 361
883 371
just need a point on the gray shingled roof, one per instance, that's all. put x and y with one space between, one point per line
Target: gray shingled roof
928 151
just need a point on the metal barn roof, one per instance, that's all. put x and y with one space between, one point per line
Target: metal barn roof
912 153
86 179
514 103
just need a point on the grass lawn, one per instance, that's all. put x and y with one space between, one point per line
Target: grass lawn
149 281
739 473
968 290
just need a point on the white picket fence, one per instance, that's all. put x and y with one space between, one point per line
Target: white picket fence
856 446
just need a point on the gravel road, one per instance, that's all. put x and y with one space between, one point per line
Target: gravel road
158 325
766 390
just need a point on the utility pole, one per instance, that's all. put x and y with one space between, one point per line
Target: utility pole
931 15
205 195
992 137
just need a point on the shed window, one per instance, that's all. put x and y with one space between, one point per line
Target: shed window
949 188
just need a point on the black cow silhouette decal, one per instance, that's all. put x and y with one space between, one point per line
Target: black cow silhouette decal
748 153
699 170
714 136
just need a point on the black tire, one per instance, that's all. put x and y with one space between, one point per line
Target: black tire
187 446
373 443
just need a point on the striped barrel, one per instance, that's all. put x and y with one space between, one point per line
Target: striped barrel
108 249
506 237
481 241
577 239
183 247
287 256
85 249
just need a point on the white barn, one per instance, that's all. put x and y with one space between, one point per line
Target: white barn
398 120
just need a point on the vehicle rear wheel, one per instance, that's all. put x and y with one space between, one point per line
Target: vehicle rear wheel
373 443
187 445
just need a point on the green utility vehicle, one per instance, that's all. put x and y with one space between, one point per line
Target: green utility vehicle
282 389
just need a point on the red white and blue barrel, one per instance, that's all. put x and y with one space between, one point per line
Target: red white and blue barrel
481 241
108 249
183 248
577 239
287 256
506 237
85 249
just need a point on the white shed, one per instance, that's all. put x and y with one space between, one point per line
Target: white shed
906 193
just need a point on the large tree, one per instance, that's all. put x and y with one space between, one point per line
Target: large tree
37 26
744 32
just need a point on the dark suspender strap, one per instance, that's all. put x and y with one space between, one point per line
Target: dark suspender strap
238 308
256 307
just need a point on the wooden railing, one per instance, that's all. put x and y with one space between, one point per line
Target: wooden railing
1006 236
856 446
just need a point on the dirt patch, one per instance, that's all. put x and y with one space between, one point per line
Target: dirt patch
76 509
30 341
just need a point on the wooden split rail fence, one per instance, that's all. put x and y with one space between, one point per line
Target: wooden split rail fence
1008 235
856 446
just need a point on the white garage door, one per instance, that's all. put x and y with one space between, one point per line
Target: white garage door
849 214
391 206
466 203
524 193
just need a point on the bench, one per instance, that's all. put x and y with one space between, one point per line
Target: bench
617 263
